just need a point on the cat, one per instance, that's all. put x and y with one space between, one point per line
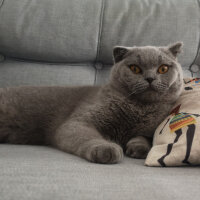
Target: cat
98 123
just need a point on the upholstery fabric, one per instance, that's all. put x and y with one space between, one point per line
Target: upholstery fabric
195 68
48 30
1 2
16 73
102 74
42 173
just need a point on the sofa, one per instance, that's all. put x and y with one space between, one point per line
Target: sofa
69 42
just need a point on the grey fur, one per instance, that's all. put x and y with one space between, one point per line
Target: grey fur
97 123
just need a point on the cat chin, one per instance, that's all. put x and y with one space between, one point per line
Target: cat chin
151 89
151 95
150 92
145 91
148 97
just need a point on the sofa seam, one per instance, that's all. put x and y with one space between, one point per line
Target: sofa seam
100 29
1 4
47 62
99 37
198 46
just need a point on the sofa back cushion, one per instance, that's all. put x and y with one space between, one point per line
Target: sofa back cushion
49 30
80 35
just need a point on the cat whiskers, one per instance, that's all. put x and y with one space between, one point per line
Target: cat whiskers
138 89
161 87
130 94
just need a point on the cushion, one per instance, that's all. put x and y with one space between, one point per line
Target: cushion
43 173
86 30
177 139
49 30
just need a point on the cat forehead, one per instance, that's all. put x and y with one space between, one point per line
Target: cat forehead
146 54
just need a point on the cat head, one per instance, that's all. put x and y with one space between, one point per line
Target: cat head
149 74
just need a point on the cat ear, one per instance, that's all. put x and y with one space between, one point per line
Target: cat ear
119 53
175 48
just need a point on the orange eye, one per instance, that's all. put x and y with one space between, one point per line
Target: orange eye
163 69
135 69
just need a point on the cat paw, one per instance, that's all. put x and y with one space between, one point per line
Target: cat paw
137 149
109 153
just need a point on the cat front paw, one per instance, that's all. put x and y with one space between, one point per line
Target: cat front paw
108 153
138 148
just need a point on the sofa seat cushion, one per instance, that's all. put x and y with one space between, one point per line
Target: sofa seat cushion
37 172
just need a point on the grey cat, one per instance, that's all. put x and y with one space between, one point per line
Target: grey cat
98 123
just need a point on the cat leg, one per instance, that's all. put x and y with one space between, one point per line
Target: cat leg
85 141
138 147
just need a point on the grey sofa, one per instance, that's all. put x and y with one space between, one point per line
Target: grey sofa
69 42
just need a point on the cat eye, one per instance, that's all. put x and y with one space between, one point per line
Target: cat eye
135 69
163 69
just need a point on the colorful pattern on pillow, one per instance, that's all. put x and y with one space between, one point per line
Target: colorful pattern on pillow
177 139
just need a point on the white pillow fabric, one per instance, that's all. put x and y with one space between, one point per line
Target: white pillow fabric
177 139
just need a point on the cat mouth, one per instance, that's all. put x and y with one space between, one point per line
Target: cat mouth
156 89
146 89
150 88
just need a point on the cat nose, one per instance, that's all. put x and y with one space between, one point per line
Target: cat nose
149 79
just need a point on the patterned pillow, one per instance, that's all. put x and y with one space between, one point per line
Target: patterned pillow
177 139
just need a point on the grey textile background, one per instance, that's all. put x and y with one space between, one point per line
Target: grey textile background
1 2
49 30
15 73
196 66
42 173
84 33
